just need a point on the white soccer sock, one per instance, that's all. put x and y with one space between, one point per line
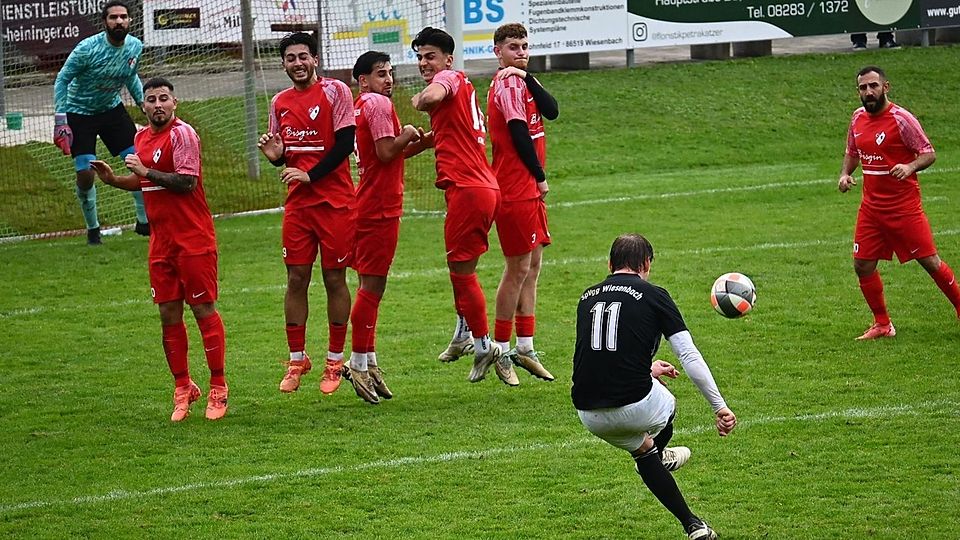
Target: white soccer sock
358 361
334 356
297 356
525 343
462 331
371 359
504 346
481 345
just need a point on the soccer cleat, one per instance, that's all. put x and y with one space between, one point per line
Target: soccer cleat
216 402
376 375
143 229
295 370
456 349
699 530
362 384
878 331
482 363
675 457
889 44
93 237
504 369
331 376
183 396
529 361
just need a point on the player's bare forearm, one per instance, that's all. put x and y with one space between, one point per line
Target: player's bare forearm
849 165
175 182
923 161
129 182
429 98
389 148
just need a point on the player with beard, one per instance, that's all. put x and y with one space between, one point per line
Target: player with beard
516 107
382 145
311 134
183 247
890 146
87 104
470 192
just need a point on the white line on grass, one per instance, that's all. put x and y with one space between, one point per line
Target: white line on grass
429 272
405 461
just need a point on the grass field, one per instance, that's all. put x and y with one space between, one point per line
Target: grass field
723 166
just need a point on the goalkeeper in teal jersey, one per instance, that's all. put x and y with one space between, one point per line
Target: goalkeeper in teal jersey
87 103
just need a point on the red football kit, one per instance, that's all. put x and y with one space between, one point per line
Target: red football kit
321 213
380 193
891 218
522 218
471 190
183 245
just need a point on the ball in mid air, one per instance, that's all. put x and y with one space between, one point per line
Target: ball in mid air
733 295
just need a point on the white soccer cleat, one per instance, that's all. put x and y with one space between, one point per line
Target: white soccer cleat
482 363
675 457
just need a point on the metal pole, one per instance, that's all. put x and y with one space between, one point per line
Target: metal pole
249 91
3 99
323 65
630 58
454 24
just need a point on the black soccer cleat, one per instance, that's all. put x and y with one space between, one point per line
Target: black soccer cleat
93 237
143 229
699 530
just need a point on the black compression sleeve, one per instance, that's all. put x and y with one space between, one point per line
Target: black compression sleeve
279 162
342 147
520 134
545 102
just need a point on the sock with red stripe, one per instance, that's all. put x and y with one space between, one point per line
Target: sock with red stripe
297 341
214 336
175 349
338 336
471 301
526 325
872 288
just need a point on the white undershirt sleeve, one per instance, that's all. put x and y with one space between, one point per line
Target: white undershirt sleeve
696 368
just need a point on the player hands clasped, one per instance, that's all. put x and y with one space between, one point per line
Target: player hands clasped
183 247
891 147
311 134
87 103
616 392
471 194
382 145
517 105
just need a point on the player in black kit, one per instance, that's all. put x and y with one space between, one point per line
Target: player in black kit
617 385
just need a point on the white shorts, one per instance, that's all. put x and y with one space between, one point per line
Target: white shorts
626 427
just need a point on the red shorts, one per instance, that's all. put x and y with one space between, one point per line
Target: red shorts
470 214
192 278
879 237
522 226
376 245
320 228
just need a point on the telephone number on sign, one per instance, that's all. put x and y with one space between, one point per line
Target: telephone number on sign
799 9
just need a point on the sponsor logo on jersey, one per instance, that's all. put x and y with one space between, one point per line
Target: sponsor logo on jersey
881 137
314 111
156 156
299 134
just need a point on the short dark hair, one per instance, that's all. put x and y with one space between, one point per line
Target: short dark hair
630 252
298 38
367 61
872 69
110 4
507 31
436 37
157 82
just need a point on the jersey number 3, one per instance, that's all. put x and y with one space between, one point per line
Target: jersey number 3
606 319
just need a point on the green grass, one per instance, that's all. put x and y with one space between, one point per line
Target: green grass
725 167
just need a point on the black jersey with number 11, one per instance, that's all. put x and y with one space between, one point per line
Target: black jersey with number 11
620 323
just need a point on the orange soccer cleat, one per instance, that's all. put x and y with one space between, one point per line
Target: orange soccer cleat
331 376
295 370
183 396
217 402
878 331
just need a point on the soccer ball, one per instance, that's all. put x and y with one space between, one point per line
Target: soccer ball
733 295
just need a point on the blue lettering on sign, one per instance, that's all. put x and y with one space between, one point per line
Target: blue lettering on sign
475 11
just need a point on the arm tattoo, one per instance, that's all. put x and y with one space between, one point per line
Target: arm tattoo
177 183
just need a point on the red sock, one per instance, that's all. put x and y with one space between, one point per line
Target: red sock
175 349
948 284
502 330
363 318
872 288
372 338
297 337
469 298
338 336
214 346
526 324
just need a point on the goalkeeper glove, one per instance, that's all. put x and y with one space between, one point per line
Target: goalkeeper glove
62 134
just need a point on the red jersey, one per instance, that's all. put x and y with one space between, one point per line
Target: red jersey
306 121
509 99
459 135
380 193
180 223
880 142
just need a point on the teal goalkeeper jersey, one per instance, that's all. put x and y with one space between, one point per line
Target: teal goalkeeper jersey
91 79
